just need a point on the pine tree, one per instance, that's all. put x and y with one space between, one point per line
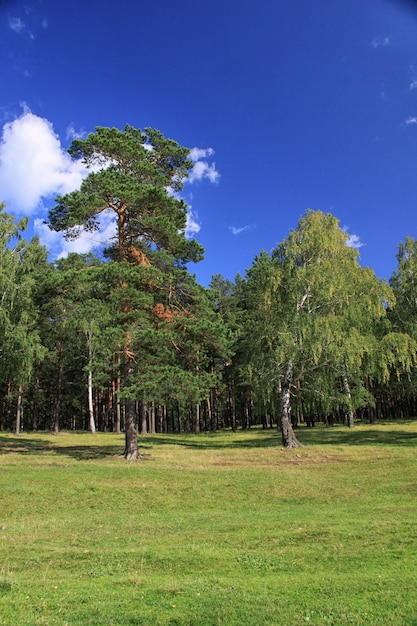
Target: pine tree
137 175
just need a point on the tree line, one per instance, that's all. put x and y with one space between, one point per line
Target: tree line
127 340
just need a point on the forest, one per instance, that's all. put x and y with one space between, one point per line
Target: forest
128 341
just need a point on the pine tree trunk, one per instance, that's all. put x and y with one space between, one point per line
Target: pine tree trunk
197 419
179 417
118 413
143 420
56 412
115 388
35 406
233 408
131 452
165 419
152 418
289 440
210 414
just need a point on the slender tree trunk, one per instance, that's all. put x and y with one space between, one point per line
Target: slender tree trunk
232 408
8 405
143 421
35 405
289 440
90 403
197 419
19 410
56 412
197 424
131 452
117 428
152 418
179 417
210 414
350 415
246 411
165 419
92 424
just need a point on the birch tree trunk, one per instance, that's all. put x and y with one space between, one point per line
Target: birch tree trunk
89 335
19 410
90 403
289 440
350 415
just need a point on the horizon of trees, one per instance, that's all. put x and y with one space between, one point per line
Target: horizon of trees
130 341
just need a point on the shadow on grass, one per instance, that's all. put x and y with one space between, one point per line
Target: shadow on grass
364 434
13 443
215 441
254 438
371 436
10 443
35 445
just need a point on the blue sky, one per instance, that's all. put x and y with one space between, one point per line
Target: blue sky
287 105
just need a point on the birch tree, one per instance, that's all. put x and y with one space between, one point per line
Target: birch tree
20 343
316 312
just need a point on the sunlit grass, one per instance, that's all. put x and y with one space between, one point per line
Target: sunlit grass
220 528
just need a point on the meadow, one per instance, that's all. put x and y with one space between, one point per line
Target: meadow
212 529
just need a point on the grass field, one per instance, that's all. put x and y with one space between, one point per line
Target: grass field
215 529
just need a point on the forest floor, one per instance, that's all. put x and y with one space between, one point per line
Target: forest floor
212 529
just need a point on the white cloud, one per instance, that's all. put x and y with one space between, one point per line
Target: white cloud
200 153
411 120
236 230
413 84
74 134
352 241
17 25
193 226
202 168
33 164
30 26
380 42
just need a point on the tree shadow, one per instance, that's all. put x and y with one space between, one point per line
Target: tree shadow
366 435
320 435
369 436
211 441
16 444
89 452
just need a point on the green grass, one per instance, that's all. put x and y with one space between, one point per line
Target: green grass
212 529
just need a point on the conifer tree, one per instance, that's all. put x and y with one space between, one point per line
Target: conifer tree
136 175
